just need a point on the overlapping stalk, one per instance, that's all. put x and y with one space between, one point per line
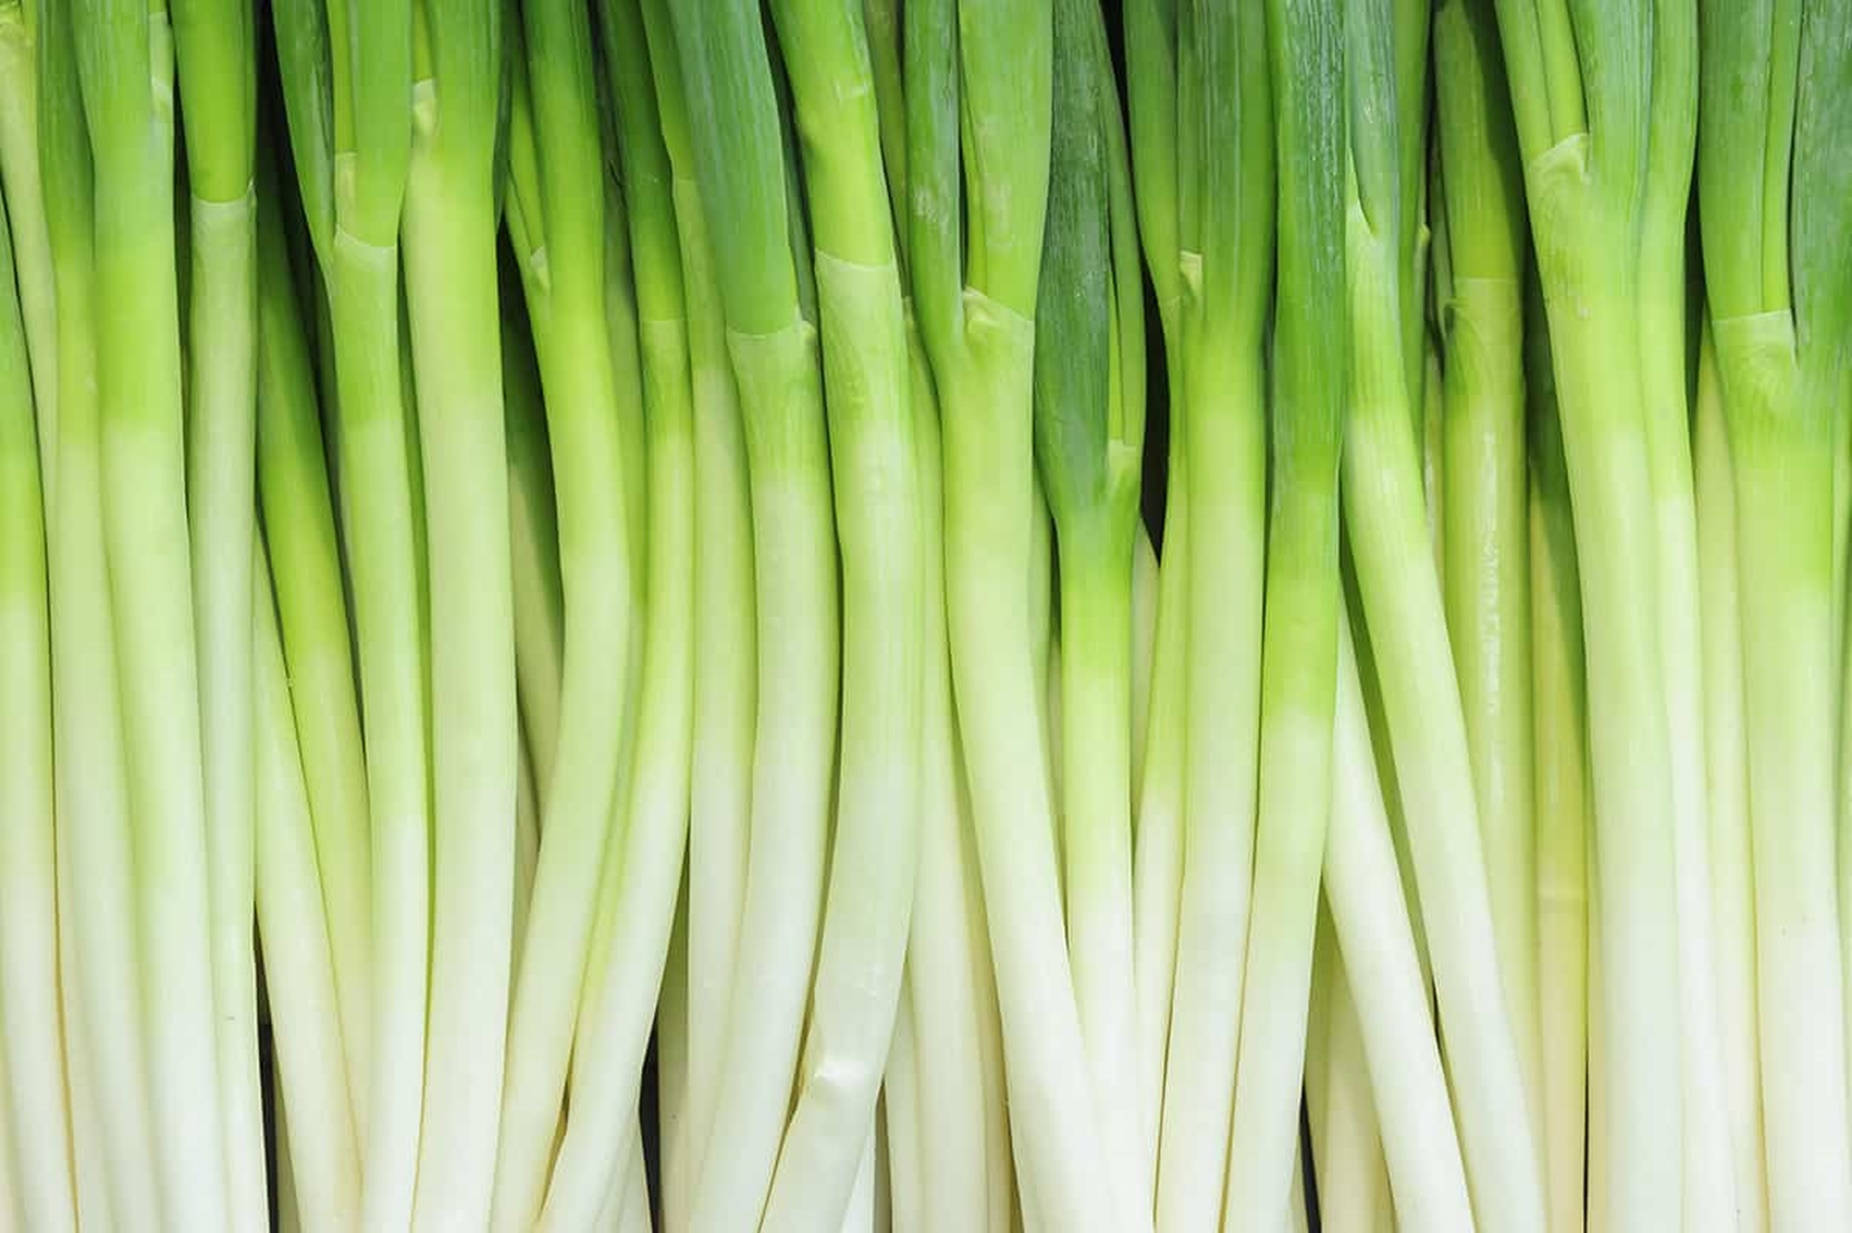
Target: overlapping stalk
1403 611
1603 126
599 1158
974 275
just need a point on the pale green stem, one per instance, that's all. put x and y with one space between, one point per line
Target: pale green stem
594 546
904 1139
312 616
1783 487
1157 864
90 1162
1298 679
1354 1192
1095 581
859 1217
92 789
36 1112
1147 581
451 288
221 476
989 520
796 587
725 680
1363 891
1727 787
1563 838
1484 516
1226 462
1596 343
380 523
827 1153
1600 1082
323 1158
1045 648
875 844
946 1120
645 859
147 538
1405 615
1710 1155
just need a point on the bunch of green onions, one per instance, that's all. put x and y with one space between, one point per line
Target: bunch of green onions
926 615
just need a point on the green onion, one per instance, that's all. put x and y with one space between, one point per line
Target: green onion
1403 610
1600 130
37 1120
1312 383
559 215
216 55
1566 991
963 1131
1480 257
94 834
732 108
1727 778
600 1156
449 233
1770 182
900 1126
1157 864
1370 923
346 81
1226 211
125 68
974 277
873 445
323 1156
310 762
1089 439
725 682
311 603
1347 1147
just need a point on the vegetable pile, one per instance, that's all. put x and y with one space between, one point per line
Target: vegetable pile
934 615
